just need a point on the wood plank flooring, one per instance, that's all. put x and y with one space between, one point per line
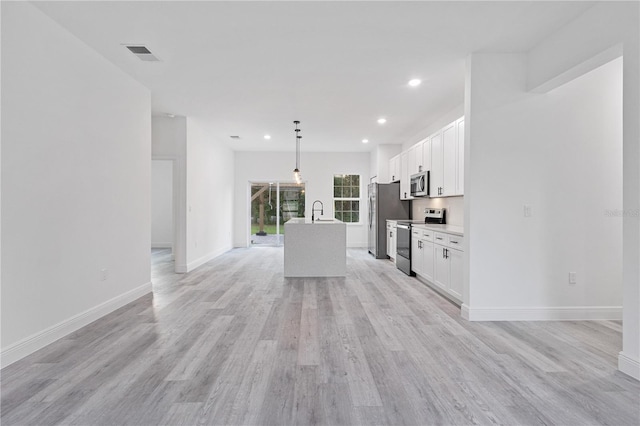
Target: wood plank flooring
234 343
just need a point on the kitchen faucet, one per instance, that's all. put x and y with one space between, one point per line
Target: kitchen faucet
313 210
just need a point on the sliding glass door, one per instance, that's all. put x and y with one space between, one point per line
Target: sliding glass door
272 204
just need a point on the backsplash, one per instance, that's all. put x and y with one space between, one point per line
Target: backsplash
454 206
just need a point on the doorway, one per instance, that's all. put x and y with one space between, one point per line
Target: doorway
272 204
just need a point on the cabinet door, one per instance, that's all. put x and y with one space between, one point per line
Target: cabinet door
436 165
418 158
389 243
394 169
450 159
393 243
405 183
460 157
416 254
456 264
426 154
427 260
440 267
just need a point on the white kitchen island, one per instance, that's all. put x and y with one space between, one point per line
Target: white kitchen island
315 249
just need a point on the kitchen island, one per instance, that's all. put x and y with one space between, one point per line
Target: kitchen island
316 249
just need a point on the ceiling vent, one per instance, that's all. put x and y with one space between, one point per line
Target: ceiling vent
142 53
235 137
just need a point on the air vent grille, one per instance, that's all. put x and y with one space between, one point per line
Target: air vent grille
142 52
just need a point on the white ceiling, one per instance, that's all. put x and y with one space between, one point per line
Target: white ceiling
251 68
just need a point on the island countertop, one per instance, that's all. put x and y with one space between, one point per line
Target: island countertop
307 221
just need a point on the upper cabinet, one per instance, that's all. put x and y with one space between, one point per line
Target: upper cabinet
460 156
442 153
437 165
394 169
405 175
447 160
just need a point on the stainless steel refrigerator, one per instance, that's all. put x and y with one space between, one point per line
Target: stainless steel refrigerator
384 203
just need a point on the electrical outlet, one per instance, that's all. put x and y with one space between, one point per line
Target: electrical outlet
528 210
426 210
572 278
104 274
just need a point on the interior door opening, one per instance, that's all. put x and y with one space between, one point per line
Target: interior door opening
272 204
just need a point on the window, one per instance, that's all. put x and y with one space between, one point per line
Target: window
346 198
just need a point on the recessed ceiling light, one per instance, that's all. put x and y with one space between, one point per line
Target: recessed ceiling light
415 82
365 140
267 137
382 120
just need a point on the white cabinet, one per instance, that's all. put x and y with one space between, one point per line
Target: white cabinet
405 183
437 163
422 252
460 156
416 159
447 160
417 255
437 257
391 239
394 169
456 265
426 154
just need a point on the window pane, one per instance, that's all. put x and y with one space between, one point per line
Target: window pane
355 206
338 215
347 180
355 217
337 180
355 191
346 217
355 180
337 192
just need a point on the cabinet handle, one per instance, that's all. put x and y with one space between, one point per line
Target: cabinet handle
391 233
438 238
454 242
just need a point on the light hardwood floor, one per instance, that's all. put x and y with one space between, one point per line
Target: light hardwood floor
235 343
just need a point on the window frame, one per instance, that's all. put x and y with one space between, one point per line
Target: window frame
358 199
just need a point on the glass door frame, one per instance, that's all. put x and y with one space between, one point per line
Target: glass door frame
277 183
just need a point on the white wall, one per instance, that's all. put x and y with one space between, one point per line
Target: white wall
578 46
210 190
169 142
76 141
317 170
162 203
561 153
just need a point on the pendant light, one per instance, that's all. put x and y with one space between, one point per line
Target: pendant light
296 172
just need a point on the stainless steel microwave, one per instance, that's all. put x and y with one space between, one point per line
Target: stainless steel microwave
420 184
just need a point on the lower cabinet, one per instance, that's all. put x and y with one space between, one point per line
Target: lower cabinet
436 258
391 240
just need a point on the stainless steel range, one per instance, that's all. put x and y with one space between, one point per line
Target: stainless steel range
403 235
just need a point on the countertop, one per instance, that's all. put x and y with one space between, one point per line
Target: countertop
449 229
307 221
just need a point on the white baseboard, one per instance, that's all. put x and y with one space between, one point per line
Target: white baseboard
161 245
562 313
201 261
43 338
629 366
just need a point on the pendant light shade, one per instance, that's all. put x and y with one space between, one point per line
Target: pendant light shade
297 176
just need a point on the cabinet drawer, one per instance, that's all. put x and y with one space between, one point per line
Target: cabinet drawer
456 242
440 238
427 235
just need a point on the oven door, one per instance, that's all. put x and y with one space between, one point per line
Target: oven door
403 248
